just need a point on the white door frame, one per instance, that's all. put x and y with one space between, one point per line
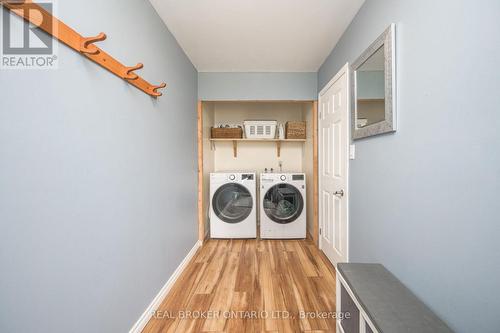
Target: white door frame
344 70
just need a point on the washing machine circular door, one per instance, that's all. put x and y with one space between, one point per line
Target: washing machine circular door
283 203
232 203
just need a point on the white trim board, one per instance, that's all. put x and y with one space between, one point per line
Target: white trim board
146 316
363 317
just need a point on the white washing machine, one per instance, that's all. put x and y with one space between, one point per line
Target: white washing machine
283 205
233 205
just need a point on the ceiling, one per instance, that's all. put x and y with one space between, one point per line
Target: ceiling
257 35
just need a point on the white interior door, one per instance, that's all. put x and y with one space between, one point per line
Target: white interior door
333 135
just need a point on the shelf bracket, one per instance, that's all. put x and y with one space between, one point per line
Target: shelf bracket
235 148
278 148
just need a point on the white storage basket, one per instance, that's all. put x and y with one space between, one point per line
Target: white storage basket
260 129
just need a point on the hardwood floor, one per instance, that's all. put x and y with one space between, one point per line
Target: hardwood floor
251 286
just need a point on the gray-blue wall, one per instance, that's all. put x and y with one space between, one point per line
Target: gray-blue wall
371 85
257 86
424 201
97 180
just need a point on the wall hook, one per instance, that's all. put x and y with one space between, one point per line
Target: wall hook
84 45
87 45
153 90
128 75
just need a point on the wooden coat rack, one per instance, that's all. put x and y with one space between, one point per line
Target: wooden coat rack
41 18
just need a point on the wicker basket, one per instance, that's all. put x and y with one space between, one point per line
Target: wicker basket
296 130
227 133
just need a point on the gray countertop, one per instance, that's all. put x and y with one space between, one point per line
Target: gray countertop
391 306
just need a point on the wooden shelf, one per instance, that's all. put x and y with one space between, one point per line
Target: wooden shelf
276 141
370 100
262 140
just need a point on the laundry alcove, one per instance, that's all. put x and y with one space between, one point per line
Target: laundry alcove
216 155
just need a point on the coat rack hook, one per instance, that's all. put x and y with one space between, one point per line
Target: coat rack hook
18 3
153 90
38 16
129 75
87 45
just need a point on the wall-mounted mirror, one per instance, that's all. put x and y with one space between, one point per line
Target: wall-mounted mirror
374 93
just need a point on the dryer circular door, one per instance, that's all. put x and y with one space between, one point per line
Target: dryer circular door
232 203
283 203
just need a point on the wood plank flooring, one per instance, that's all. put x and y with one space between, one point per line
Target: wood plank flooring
251 286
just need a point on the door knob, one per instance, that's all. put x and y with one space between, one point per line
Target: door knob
339 193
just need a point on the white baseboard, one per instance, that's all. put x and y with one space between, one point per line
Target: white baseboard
146 316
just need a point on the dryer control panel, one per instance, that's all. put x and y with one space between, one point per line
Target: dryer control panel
247 176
